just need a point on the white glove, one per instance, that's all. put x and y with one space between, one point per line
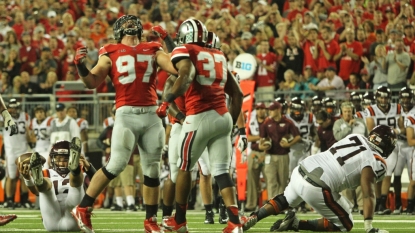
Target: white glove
242 143
165 149
9 123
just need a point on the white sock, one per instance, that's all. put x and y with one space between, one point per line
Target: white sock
130 200
119 201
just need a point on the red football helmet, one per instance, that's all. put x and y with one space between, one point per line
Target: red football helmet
59 155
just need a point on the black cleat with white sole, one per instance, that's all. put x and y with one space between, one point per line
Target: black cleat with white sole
74 154
36 168
290 222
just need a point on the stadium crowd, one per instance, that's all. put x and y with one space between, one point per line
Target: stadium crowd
299 45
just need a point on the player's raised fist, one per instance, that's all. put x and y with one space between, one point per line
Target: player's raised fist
80 55
159 31
162 109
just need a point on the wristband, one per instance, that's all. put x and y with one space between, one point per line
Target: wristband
242 131
180 116
82 70
170 97
169 43
368 224
29 183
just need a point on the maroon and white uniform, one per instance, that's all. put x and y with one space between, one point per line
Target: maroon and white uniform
56 202
208 123
133 74
42 132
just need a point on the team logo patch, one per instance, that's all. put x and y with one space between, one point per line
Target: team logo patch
282 124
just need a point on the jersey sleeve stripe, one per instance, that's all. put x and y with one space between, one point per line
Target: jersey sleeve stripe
46 173
411 119
372 112
49 122
359 115
337 209
398 110
377 157
310 118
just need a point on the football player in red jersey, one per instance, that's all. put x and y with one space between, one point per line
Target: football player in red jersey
132 66
203 80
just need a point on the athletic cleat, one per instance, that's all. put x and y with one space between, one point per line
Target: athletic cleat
28 205
36 168
248 222
4 219
210 217
131 208
9 205
397 211
151 226
116 207
386 212
83 218
74 153
276 225
290 222
232 228
170 224
223 215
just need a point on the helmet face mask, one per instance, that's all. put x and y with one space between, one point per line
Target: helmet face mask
383 97
127 25
383 139
297 109
367 100
59 155
356 100
406 98
316 104
14 108
330 106
192 31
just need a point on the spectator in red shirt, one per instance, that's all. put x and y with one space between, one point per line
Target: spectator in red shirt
18 25
28 54
299 9
409 38
265 77
361 37
327 49
354 83
309 48
349 55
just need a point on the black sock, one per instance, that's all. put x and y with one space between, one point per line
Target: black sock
233 214
262 213
310 225
10 199
167 210
208 208
180 216
151 210
383 199
110 201
398 202
410 207
24 197
77 171
87 201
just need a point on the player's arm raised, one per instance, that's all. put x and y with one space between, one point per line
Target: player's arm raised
235 94
370 123
163 60
97 75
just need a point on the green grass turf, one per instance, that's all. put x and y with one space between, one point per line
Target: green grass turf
107 221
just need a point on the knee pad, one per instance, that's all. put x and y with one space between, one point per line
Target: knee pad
224 181
151 182
108 174
279 203
151 165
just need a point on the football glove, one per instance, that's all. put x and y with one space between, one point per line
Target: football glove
80 55
9 123
242 143
162 109
159 31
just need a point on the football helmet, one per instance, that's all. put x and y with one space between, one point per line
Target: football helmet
316 104
14 108
383 97
367 99
297 109
383 139
284 105
60 164
213 41
192 31
330 106
356 100
406 98
127 25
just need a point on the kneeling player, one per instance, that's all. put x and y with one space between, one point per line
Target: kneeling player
59 188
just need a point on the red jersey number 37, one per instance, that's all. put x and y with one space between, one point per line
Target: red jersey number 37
214 69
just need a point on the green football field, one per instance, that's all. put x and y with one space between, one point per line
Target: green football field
107 221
